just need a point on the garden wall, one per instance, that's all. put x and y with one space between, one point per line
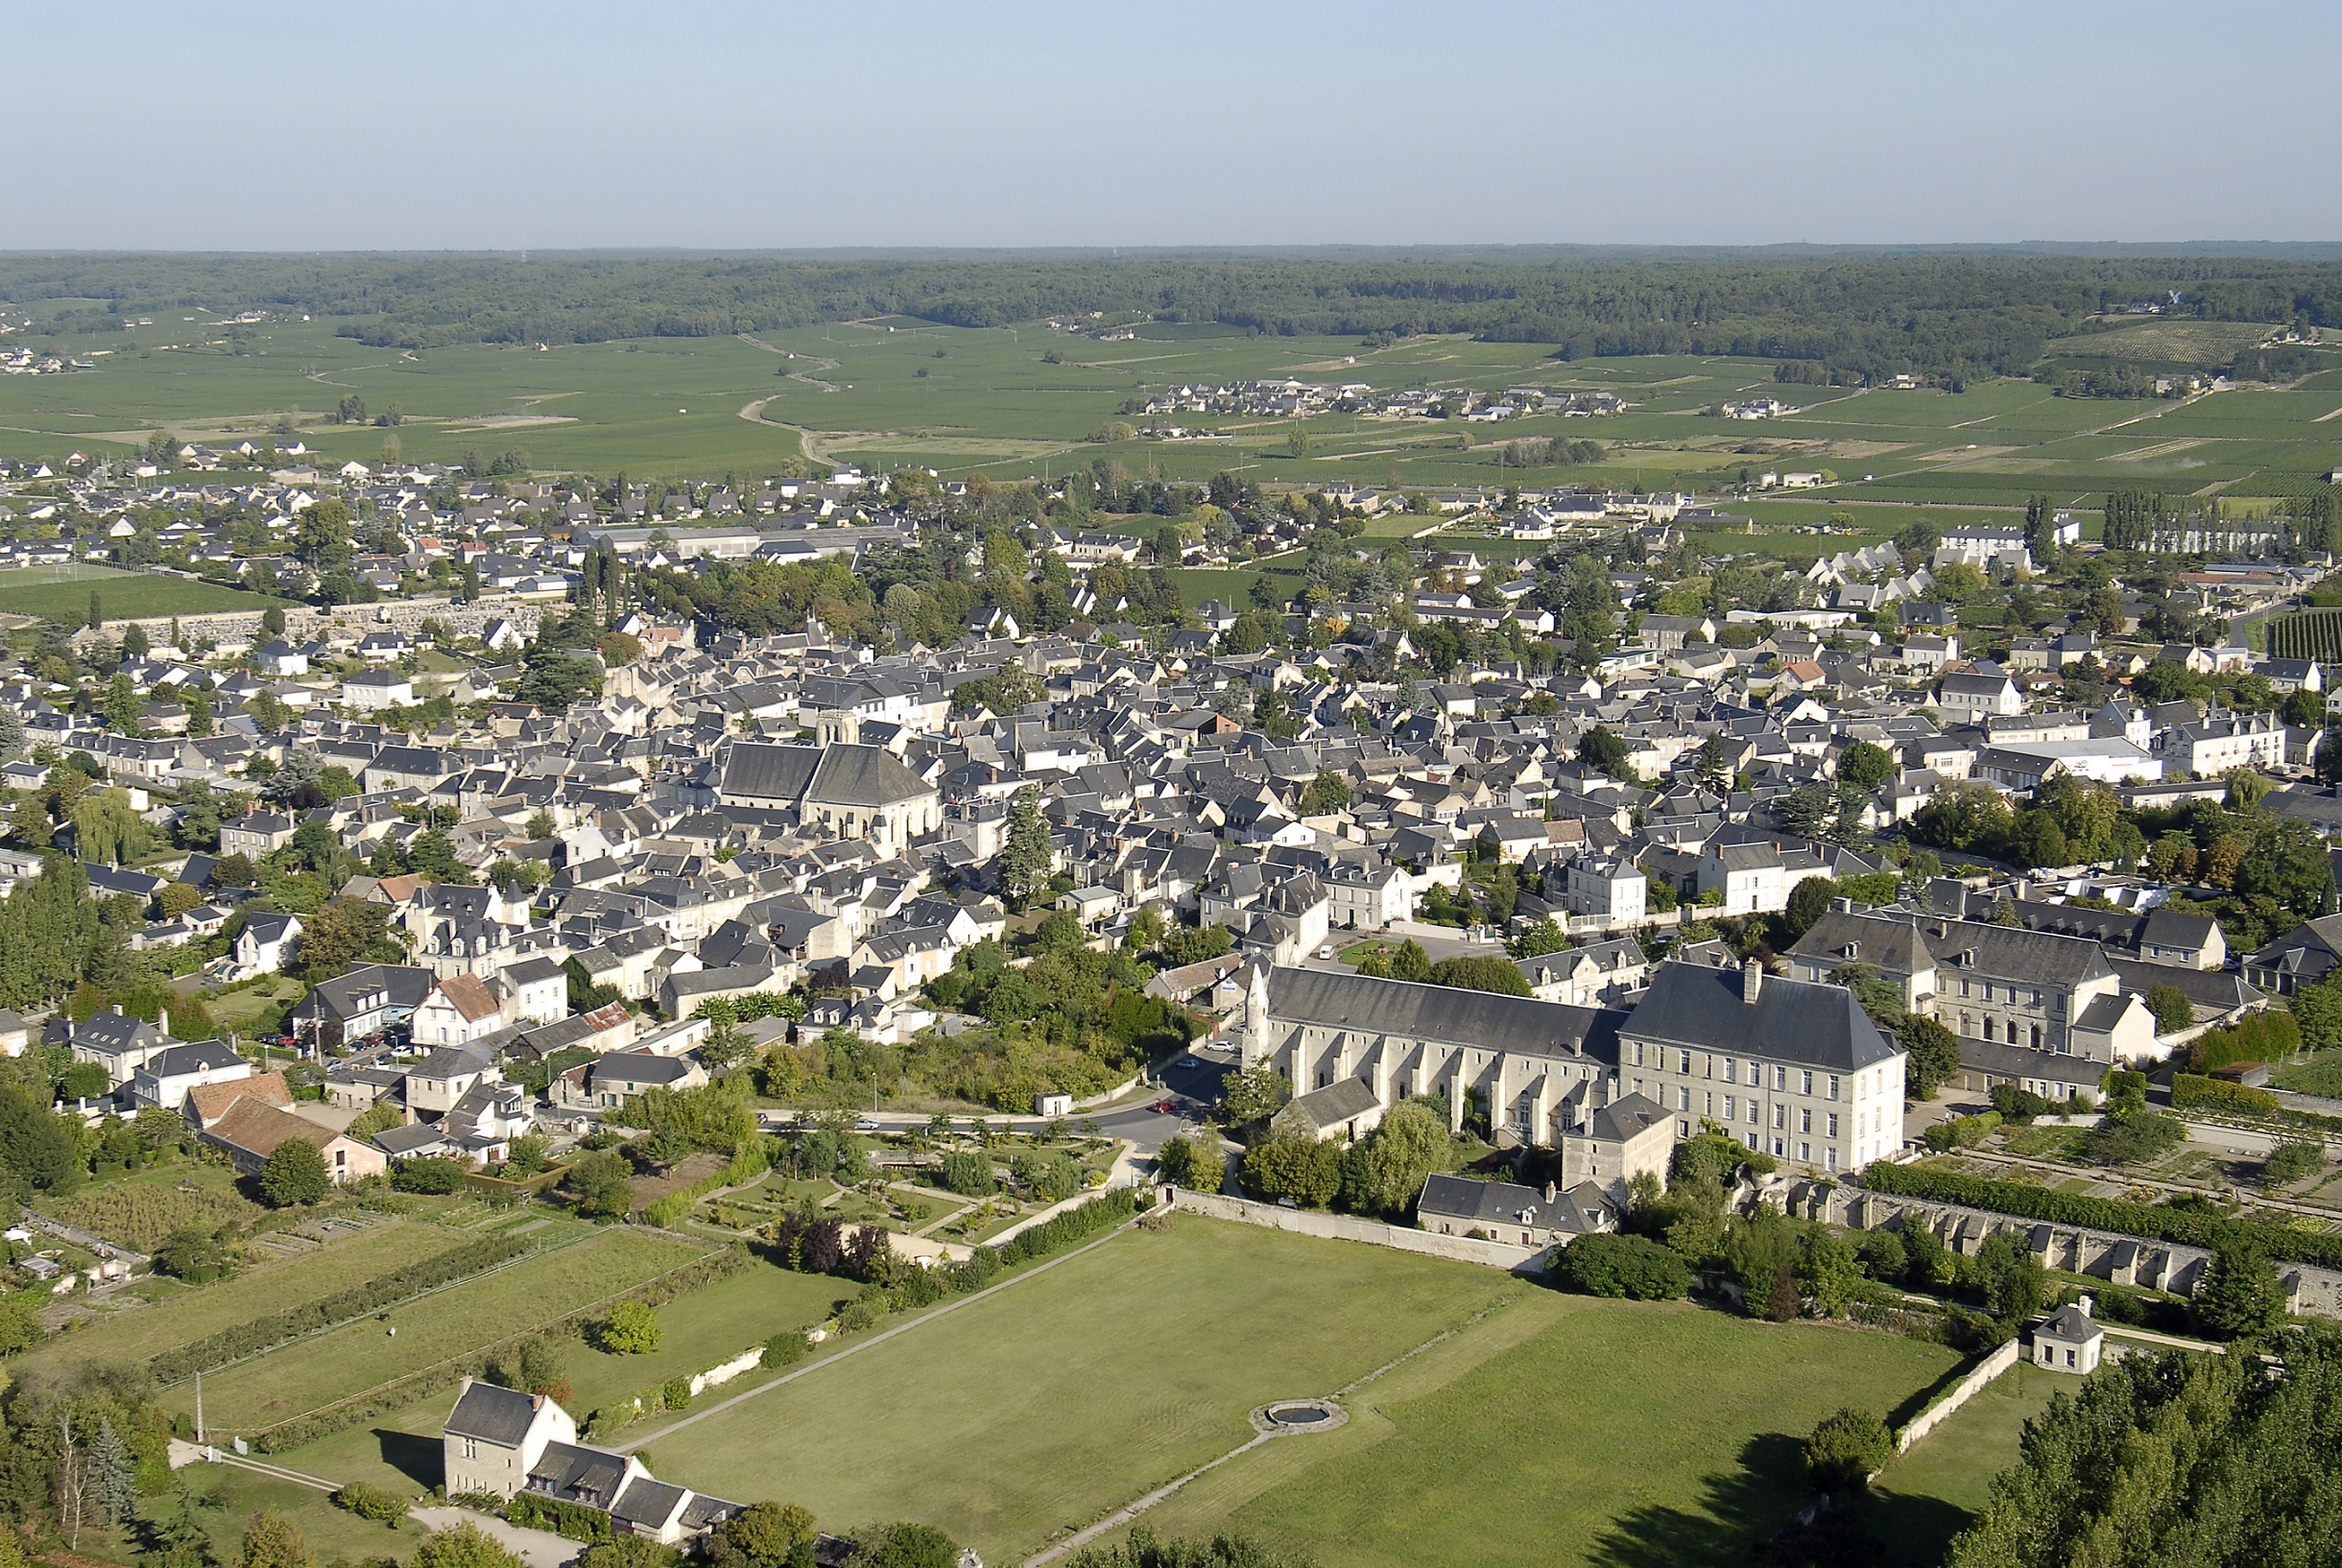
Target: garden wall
2003 1357
1344 1227
2171 1267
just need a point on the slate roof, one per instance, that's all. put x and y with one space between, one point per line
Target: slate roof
770 772
1791 1020
864 776
495 1414
1480 1019
1336 1104
1491 1204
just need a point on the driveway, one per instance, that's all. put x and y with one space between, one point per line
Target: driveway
538 1548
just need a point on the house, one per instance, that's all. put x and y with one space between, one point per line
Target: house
120 1044
207 1103
2299 958
1609 888
252 1129
1504 1211
604 1083
1969 696
376 689
268 942
1794 1068
369 999
1367 895
444 1075
457 1011
255 834
1591 976
1750 878
166 1078
2069 1340
535 988
504 1442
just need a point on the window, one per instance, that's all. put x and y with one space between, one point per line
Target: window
1988 1028
1830 1158
1834 1086
1755 1075
1778 1147
1682 1101
1805 1084
1780 1076
1780 1117
1805 1152
1729 1113
1728 1065
1684 1128
1833 1124
1752 1137
1752 1114
1805 1121
471 1448
2037 1036
1638 1053
1684 1063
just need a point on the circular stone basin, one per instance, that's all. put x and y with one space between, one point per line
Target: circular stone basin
1299 1416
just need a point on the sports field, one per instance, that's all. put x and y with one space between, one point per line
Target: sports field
1028 400
1542 1427
61 593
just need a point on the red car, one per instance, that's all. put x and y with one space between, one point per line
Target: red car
1166 1105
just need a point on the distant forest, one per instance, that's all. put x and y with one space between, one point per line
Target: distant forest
1947 314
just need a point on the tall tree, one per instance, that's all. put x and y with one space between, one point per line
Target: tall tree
1025 856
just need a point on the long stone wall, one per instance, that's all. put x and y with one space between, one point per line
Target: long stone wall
2122 1260
305 622
2003 1357
1343 1227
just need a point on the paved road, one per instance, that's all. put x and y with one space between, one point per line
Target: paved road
1191 1082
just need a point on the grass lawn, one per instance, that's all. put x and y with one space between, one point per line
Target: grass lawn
703 1328
362 1355
183 1314
61 593
1565 1430
1062 1397
1935 1491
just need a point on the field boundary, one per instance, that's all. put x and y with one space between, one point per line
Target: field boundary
420 1376
874 1340
404 1300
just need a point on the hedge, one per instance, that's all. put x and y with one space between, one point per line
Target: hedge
400 1392
2158 1222
2259 1036
571 1519
372 1296
2192 1091
755 1159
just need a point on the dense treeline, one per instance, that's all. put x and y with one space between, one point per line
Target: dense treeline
1866 313
2198 1460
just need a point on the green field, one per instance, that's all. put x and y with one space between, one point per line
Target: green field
1545 1426
1930 1494
180 1314
458 1321
61 593
960 400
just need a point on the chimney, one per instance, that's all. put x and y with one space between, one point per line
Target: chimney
1752 979
1550 1193
2084 1304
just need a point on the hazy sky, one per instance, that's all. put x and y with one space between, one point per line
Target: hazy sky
497 124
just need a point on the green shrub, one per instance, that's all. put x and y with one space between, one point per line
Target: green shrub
1962 1132
967 1172
2133 1136
571 1519
2291 1160
1848 1446
1631 1267
676 1392
2261 1036
2192 1091
370 1502
437 1174
785 1349
631 1329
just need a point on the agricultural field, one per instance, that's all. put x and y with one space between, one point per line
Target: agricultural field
61 593
179 1315
1029 400
1536 1424
312 1373
141 1209
2305 635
